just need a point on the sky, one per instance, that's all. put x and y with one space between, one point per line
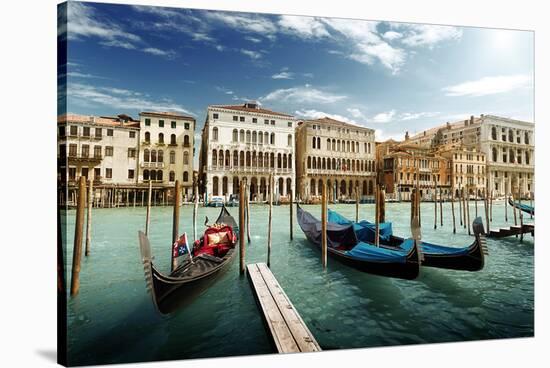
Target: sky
388 76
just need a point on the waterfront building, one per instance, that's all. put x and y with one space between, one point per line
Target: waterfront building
508 144
246 142
340 153
406 165
167 149
467 169
103 148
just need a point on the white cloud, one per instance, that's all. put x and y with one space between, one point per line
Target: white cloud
356 113
392 35
303 27
383 117
316 114
417 115
83 75
283 75
253 39
429 35
119 43
118 98
302 94
159 52
254 55
489 86
246 23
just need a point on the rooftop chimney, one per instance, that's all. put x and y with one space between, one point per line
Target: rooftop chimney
448 125
471 119
251 105
406 135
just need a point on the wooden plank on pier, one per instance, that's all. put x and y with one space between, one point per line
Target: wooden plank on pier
288 331
512 231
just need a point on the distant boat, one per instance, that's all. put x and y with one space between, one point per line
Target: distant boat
216 202
212 255
343 245
469 258
522 207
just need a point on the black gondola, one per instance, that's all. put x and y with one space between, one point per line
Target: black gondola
192 277
469 258
343 245
522 207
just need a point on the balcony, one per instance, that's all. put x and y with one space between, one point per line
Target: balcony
186 145
89 159
97 137
146 143
152 165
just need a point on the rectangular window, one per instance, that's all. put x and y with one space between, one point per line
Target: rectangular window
72 150
109 151
86 131
290 125
62 151
84 172
186 126
272 122
97 173
215 116
109 132
241 119
254 120
161 123
72 173
266 121
74 130
132 134
131 152
109 173
235 118
97 151
98 132
130 173
147 122
85 150
173 124
61 131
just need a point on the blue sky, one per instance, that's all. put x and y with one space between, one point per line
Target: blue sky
392 77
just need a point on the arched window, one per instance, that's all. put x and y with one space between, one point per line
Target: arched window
328 144
173 139
279 161
272 141
220 161
510 135
186 141
215 186
318 143
261 159
248 136
172 157
145 174
512 156
214 157
494 133
313 143
160 156
235 158
159 175
235 135
241 136
526 140
526 157
215 134
309 162
161 138
333 144
241 159
254 137
153 175
289 140
147 137
248 159
185 176
186 158
312 187
495 154
146 155
153 156
272 160
290 160
172 176
227 159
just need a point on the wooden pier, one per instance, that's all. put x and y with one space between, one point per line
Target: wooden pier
287 329
512 230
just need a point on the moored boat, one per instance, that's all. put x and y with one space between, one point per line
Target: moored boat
210 256
522 206
468 258
343 245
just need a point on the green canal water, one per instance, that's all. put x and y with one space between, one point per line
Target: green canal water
113 320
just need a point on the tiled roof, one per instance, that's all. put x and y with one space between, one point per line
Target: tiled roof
257 110
98 120
327 120
166 114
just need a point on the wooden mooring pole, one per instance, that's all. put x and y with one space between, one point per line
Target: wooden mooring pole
356 204
382 206
505 206
324 225
491 206
242 225
377 216
195 206
291 215
247 210
79 225
148 213
486 205
175 222
453 210
475 200
440 207
464 207
468 209
269 224
89 217
460 204
531 204
520 217
435 205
